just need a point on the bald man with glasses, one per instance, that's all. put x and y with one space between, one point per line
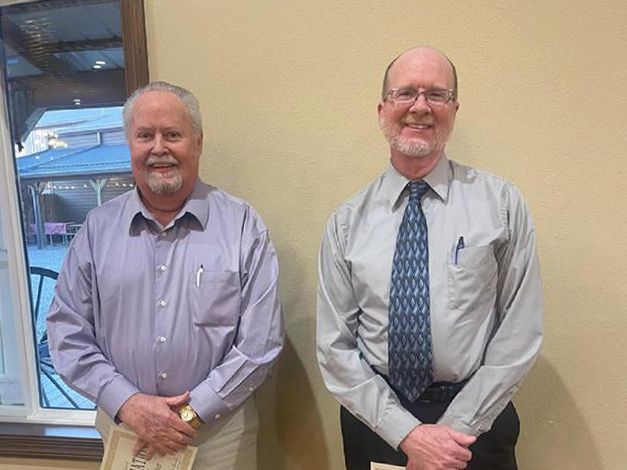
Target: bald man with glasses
429 297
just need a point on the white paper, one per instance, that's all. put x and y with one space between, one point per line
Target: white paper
119 455
384 466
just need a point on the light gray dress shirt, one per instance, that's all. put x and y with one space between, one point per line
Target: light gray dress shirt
190 306
486 299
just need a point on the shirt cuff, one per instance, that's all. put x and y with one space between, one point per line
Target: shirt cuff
115 394
457 425
396 424
207 404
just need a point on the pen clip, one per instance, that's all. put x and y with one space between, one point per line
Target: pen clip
201 270
460 246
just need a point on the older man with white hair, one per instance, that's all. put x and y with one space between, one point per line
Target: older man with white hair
167 313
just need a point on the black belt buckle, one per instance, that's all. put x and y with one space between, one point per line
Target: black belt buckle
441 392
437 392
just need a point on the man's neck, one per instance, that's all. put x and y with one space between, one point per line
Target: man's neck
414 168
163 208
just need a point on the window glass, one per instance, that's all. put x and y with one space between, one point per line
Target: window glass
64 69
10 386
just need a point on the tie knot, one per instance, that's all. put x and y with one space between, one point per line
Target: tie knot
417 189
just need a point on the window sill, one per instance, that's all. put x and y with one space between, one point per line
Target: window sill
50 442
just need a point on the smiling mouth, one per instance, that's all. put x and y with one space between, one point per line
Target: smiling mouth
158 166
164 170
419 127
161 163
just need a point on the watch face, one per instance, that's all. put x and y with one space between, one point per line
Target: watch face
186 414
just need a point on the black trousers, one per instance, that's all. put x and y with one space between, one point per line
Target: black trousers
493 450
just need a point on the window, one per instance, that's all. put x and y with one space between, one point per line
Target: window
67 67
12 379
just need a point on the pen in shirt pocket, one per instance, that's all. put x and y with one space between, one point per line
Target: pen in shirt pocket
460 246
201 270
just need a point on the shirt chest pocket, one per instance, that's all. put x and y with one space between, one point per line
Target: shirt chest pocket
216 298
472 280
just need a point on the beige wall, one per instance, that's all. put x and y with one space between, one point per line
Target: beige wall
289 91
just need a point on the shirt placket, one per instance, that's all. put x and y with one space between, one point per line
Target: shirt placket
163 309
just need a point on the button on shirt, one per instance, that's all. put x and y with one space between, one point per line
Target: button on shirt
485 297
160 310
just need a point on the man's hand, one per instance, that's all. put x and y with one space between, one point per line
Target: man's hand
436 447
155 421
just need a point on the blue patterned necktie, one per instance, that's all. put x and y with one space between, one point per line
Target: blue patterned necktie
409 331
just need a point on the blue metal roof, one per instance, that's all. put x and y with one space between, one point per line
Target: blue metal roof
82 119
75 162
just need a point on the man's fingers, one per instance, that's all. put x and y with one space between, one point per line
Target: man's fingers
155 421
177 442
139 444
183 428
461 438
463 457
172 442
171 438
431 446
179 400
181 440
168 447
185 440
163 448
150 452
459 452
187 433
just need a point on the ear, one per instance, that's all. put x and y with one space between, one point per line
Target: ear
200 142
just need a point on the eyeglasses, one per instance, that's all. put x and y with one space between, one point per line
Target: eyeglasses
409 95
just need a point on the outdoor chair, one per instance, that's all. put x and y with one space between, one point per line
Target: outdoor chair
46 278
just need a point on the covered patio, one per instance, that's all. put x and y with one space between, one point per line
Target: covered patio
59 187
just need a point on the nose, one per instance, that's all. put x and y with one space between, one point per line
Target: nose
420 104
158 147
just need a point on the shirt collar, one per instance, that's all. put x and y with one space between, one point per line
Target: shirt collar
195 206
394 182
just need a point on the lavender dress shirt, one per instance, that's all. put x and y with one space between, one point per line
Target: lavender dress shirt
193 305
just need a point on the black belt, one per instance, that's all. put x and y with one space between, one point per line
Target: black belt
437 392
441 392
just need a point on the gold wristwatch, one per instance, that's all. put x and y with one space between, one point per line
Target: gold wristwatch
189 415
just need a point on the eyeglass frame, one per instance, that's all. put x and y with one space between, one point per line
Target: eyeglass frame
450 91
